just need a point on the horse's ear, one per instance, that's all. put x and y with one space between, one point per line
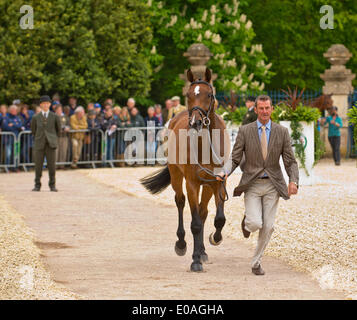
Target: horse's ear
208 75
189 75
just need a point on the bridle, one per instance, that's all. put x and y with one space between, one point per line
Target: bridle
203 113
206 122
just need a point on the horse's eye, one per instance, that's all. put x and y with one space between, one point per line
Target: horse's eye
209 95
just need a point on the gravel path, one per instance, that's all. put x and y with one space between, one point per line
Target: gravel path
102 243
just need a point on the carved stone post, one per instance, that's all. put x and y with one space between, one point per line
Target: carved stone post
198 55
338 82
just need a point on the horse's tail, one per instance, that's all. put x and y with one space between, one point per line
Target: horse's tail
157 181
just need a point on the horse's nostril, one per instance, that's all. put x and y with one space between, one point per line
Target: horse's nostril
198 123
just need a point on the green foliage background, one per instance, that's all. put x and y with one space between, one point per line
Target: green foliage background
294 42
95 49
92 49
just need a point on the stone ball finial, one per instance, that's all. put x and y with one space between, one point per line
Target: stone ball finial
198 54
338 54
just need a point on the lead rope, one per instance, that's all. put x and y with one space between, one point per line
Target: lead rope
211 173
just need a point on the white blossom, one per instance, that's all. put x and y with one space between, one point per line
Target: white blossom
216 38
244 48
243 18
213 9
248 25
244 87
149 3
208 34
159 5
261 88
204 16
182 36
153 50
227 9
244 67
268 66
250 77
238 83
255 84
199 38
213 20
172 22
236 24
232 63
187 26
158 68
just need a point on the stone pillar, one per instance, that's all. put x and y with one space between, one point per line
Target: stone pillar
198 55
338 82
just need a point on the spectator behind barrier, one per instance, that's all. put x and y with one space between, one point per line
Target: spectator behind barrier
78 121
11 123
63 139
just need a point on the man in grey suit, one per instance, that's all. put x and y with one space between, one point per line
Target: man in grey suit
45 127
262 142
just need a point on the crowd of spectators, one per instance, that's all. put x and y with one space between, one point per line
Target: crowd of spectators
88 122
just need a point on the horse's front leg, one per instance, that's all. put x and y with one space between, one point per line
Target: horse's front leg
219 220
205 198
196 225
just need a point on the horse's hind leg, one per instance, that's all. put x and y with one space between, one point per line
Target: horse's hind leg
176 183
203 211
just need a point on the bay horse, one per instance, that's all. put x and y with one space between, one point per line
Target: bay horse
200 115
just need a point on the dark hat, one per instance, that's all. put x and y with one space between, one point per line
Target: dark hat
45 99
250 98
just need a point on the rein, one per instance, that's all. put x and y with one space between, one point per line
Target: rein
206 122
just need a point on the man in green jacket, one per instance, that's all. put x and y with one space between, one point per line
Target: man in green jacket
46 128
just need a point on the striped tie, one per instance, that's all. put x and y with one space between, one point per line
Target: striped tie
264 143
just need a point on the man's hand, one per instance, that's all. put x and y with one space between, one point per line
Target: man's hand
222 176
292 189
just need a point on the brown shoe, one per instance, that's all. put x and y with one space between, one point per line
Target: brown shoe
258 271
246 233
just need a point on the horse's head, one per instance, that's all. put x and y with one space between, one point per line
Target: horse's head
200 100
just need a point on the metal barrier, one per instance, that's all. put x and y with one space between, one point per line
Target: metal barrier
123 146
137 145
89 148
8 150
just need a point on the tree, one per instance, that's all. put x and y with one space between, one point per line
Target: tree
88 48
294 41
223 28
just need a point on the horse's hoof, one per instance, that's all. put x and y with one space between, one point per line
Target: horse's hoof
196 267
204 258
214 242
180 251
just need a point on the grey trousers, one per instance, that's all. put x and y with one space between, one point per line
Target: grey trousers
261 203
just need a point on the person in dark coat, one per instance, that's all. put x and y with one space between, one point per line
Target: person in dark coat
11 123
46 128
110 125
94 139
250 116
26 141
151 121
